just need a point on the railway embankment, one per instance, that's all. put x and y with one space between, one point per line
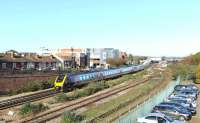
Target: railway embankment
110 110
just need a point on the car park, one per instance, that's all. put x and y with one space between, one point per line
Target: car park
157 118
180 105
173 112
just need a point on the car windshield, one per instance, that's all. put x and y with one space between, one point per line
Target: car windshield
60 78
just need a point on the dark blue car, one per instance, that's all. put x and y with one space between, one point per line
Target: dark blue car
173 112
180 106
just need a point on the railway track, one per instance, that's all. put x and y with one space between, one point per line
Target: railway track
24 99
56 112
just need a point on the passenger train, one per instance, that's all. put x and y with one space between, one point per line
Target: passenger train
66 81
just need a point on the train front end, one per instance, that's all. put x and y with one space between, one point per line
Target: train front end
60 81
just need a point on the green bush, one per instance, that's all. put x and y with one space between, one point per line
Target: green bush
71 117
29 108
90 89
93 88
25 109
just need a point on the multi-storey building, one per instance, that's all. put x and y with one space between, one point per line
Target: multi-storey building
99 56
72 57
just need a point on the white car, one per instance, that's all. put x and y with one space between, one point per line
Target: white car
157 118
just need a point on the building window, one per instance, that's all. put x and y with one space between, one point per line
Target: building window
3 65
14 65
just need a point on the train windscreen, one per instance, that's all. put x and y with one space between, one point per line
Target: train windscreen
60 78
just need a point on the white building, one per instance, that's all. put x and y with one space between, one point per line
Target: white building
99 56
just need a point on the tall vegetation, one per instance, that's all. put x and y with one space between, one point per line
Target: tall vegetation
116 62
198 74
192 59
188 68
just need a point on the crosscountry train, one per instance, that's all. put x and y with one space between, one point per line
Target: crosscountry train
66 81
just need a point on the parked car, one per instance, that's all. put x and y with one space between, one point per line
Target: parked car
182 102
190 86
182 95
157 118
173 112
190 93
193 103
180 106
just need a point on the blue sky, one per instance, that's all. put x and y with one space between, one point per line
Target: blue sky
140 27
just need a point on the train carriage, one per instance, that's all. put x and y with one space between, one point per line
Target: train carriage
65 81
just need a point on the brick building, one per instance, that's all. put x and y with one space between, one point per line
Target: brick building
13 60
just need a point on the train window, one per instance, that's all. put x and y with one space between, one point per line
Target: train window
93 75
80 78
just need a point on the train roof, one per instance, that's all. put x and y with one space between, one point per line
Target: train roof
93 71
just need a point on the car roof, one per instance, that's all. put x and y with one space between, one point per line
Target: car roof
170 103
163 105
156 114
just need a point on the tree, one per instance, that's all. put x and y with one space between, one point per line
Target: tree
198 74
133 59
116 62
192 59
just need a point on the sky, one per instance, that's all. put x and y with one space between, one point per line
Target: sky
140 27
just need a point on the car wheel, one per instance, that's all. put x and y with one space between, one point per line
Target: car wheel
182 118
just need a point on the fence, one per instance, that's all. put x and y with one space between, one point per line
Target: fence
146 107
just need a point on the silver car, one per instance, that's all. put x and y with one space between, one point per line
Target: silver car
157 118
